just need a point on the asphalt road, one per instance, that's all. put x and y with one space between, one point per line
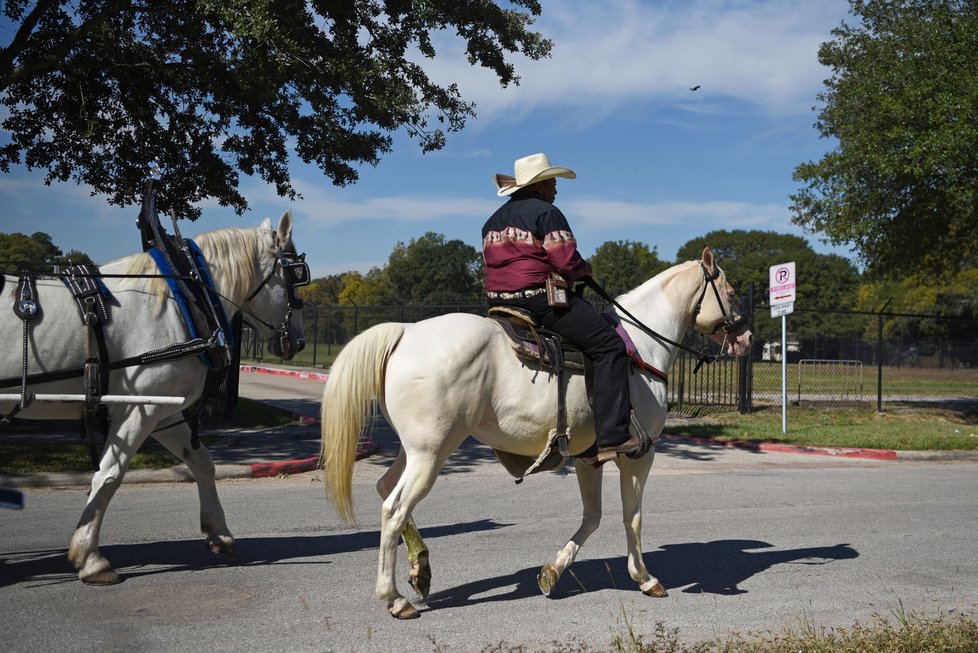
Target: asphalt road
742 541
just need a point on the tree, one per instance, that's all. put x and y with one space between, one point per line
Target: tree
902 103
324 291
623 265
431 270
35 253
914 296
96 90
370 289
825 281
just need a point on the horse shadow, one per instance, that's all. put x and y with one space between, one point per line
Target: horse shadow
717 567
51 566
700 451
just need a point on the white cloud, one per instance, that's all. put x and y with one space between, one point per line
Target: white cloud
616 52
321 206
599 214
323 209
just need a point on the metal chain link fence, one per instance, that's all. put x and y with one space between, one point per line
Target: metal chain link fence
890 359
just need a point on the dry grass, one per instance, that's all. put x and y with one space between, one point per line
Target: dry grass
953 632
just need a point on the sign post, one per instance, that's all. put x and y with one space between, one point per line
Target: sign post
782 288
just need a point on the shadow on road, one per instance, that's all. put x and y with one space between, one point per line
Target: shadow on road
704 567
130 560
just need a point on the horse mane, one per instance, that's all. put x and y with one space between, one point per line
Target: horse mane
230 254
664 278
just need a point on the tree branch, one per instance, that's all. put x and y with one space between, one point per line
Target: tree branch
58 54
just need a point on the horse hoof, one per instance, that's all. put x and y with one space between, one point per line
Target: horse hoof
656 591
221 545
547 579
406 611
420 576
103 577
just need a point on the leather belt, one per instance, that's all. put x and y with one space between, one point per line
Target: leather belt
516 294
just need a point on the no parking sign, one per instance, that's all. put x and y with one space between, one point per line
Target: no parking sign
782 287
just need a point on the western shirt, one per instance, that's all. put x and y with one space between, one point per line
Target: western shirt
524 240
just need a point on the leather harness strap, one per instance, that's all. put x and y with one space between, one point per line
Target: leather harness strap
26 308
87 290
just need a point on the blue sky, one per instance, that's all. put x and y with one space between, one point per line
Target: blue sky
656 162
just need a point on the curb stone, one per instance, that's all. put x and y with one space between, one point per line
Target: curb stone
773 447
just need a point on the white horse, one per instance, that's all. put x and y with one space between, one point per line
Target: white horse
246 266
440 380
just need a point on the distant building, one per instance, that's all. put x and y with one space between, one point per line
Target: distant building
772 350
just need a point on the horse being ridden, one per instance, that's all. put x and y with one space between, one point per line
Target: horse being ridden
248 270
440 380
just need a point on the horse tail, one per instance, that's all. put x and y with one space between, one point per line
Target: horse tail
355 384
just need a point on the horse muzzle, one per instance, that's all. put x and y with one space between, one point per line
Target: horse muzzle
285 345
291 346
740 344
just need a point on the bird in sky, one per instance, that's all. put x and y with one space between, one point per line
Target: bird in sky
694 88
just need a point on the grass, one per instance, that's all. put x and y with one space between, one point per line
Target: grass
860 381
320 357
906 429
20 457
954 632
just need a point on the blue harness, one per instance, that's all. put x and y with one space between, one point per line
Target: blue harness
224 333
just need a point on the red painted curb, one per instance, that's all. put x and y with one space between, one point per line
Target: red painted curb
773 447
261 470
279 371
301 465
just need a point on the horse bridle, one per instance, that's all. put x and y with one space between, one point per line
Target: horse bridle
295 273
727 324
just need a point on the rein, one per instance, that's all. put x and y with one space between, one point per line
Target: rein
184 277
727 324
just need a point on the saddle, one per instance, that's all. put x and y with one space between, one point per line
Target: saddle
552 353
535 344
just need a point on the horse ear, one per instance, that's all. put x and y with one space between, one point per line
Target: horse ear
708 259
285 227
265 224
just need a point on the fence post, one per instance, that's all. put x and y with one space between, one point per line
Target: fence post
315 335
879 357
745 364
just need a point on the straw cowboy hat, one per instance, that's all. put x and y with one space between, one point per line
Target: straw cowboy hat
529 170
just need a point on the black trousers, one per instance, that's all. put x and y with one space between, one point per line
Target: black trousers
584 327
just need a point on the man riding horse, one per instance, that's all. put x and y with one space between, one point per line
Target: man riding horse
526 244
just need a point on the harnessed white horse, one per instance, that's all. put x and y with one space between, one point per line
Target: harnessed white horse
440 380
247 267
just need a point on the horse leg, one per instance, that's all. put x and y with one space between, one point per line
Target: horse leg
589 481
420 472
633 475
121 445
419 574
176 439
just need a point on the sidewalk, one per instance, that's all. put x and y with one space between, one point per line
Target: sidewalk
236 452
255 453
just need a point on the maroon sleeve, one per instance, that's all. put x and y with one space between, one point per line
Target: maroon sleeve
561 247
